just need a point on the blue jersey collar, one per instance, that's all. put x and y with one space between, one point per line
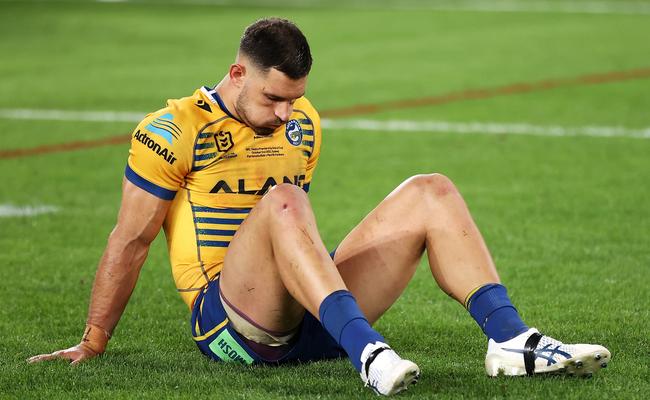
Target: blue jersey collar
216 99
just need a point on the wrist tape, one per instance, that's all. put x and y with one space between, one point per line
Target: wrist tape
95 338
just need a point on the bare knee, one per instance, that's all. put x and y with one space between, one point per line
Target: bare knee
431 185
285 200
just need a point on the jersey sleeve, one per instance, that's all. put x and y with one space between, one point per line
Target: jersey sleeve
160 154
313 158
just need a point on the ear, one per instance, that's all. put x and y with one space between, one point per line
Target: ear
237 74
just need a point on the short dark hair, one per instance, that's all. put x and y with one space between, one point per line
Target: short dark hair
277 43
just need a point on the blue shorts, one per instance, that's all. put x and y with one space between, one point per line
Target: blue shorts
218 340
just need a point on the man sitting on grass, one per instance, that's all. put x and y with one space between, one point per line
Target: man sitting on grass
226 173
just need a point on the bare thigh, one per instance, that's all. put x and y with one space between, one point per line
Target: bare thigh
251 280
378 257
426 212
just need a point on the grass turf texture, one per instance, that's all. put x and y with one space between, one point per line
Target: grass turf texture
566 218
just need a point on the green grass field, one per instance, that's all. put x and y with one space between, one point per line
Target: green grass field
566 217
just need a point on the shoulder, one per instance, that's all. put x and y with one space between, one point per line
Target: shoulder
183 118
306 113
195 111
305 106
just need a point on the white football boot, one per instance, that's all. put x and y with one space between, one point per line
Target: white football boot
384 371
531 353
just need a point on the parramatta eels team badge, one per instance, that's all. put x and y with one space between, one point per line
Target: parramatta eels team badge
293 132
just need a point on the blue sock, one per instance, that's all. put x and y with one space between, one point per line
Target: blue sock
492 310
342 318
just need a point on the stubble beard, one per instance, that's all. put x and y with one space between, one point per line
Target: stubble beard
242 111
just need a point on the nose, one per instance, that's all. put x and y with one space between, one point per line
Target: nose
283 110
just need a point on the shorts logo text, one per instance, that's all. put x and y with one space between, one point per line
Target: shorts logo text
226 348
230 352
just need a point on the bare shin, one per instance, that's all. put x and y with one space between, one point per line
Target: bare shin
289 269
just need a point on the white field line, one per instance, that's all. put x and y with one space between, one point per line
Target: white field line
10 210
62 115
487 6
533 6
487 128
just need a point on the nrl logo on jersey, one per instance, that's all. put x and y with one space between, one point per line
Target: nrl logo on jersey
224 141
293 132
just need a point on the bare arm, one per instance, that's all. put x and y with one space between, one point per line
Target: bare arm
140 218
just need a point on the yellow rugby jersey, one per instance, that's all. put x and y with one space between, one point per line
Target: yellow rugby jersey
215 169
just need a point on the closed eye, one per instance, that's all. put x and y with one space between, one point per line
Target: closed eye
275 98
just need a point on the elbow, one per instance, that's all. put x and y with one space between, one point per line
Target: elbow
125 250
126 237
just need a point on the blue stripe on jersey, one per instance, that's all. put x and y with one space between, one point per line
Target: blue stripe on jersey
308 132
305 187
212 243
306 153
309 143
225 221
207 156
216 232
150 187
305 121
222 210
208 145
204 135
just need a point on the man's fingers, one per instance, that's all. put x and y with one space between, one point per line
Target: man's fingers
78 360
74 354
57 355
44 357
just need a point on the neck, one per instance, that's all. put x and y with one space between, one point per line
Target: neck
228 94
